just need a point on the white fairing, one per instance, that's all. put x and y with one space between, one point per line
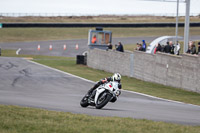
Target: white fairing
111 86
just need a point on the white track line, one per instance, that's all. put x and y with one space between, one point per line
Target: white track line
122 90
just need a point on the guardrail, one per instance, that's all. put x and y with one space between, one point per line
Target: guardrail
125 25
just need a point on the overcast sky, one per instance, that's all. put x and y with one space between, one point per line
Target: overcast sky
95 7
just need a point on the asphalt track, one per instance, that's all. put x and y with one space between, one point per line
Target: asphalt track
30 48
29 84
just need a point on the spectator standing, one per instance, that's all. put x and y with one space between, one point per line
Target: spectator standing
172 47
167 48
189 47
140 47
144 45
193 49
177 48
198 52
94 39
120 47
109 46
162 48
158 48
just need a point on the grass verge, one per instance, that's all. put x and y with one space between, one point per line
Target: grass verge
44 34
68 64
14 119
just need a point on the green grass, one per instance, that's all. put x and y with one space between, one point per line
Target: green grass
44 34
14 119
41 34
68 64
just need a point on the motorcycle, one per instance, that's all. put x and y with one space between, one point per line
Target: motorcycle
107 92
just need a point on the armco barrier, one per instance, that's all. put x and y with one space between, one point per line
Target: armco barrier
125 25
171 70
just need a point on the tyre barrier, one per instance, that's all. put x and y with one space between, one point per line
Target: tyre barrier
128 25
81 59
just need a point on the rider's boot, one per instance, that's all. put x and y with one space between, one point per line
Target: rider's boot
89 93
92 89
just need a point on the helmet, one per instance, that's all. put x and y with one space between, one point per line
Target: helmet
116 77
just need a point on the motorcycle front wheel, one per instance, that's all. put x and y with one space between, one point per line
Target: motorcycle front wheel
84 102
103 99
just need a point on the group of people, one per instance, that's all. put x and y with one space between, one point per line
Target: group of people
141 47
170 48
119 47
192 48
175 48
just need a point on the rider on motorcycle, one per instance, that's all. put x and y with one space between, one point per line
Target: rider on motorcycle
115 77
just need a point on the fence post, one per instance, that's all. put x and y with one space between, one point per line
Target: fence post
131 65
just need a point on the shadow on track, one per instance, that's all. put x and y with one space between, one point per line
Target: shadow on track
106 109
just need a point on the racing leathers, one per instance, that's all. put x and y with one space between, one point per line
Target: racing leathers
102 81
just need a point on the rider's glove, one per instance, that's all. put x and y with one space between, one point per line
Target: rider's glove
103 81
